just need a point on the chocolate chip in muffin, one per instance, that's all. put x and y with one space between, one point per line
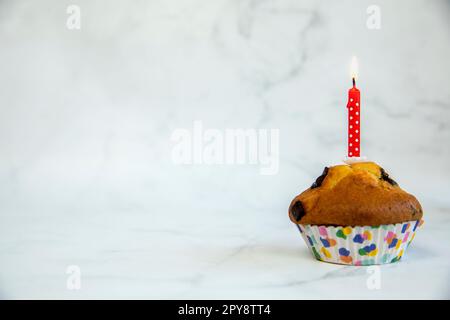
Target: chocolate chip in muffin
320 179
415 211
298 211
385 177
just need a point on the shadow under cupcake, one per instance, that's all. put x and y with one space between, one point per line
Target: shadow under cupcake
355 214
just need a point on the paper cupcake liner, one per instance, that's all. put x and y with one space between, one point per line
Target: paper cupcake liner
360 245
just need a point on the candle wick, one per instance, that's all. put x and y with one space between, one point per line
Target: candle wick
354 82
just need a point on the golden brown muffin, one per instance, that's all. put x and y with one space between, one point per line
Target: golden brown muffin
358 194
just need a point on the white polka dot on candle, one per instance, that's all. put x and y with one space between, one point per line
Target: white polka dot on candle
356 121
356 140
357 113
356 131
357 104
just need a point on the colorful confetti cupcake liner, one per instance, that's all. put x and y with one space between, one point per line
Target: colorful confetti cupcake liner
360 245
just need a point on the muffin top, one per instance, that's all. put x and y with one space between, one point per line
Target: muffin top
357 194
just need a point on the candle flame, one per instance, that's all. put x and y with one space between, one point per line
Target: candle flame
354 68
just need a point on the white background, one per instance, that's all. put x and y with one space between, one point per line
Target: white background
86 118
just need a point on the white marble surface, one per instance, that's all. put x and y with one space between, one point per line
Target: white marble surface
85 153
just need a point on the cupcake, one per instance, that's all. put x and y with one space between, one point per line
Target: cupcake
356 214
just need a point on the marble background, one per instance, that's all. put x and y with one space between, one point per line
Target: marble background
86 118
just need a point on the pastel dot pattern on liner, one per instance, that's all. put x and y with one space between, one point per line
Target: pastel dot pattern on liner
361 245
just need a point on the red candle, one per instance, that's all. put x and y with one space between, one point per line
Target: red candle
354 116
